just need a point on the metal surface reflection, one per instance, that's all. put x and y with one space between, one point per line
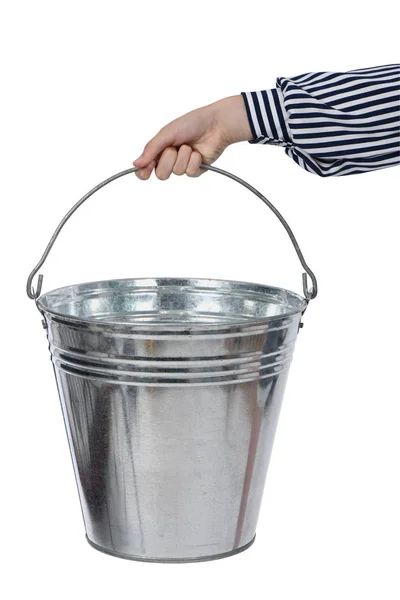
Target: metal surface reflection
171 391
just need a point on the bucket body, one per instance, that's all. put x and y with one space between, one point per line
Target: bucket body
171 391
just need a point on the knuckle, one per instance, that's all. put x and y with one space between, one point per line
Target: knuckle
170 151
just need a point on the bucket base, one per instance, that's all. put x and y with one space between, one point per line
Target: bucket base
172 560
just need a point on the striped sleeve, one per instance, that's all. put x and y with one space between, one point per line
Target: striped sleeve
332 123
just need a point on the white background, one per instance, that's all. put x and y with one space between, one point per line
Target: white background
84 86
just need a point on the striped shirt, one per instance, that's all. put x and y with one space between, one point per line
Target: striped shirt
332 123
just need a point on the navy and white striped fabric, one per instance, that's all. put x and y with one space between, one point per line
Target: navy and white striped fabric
332 123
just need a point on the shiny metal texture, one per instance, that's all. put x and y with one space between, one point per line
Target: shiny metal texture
171 391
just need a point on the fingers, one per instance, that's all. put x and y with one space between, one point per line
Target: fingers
164 138
193 168
179 162
146 172
185 161
182 161
166 163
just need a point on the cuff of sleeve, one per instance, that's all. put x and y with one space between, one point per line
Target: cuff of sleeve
267 117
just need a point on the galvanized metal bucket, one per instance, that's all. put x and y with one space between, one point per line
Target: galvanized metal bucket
171 391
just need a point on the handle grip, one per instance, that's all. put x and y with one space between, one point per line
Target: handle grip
309 293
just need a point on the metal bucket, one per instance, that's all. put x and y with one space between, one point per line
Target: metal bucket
171 391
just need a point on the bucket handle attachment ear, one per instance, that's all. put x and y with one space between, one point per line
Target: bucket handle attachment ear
309 292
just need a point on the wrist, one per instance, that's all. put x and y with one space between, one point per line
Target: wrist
232 119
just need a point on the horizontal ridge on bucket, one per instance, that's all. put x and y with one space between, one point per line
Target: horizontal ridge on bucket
99 348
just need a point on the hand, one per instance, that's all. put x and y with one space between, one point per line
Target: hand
199 136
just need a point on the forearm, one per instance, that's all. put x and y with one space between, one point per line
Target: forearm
329 123
231 117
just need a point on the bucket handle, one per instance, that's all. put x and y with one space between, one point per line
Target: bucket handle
309 293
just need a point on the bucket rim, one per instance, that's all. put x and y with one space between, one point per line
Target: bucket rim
159 282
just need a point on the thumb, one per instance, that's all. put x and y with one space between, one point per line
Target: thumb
164 138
